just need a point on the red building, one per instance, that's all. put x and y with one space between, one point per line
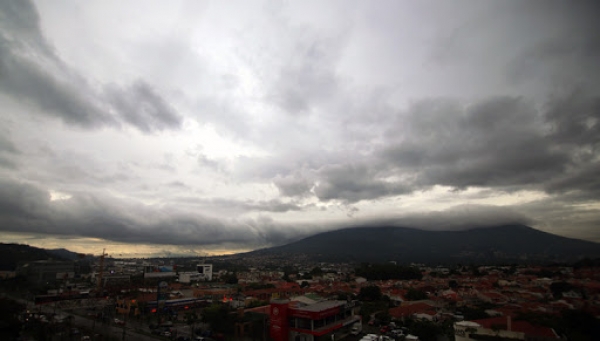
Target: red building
321 321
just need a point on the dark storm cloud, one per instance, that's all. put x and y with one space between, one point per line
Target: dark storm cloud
506 143
567 47
497 142
26 65
574 119
354 182
241 206
293 185
27 208
20 202
31 73
141 106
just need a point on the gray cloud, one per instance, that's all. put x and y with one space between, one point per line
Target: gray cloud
7 146
293 185
241 206
141 106
565 50
309 78
352 183
352 115
498 142
504 142
28 208
32 73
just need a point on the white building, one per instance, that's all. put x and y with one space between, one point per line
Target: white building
205 271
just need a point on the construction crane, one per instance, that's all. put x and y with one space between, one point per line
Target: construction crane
101 272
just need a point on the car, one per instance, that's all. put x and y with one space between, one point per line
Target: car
119 322
374 322
167 333
397 332
86 338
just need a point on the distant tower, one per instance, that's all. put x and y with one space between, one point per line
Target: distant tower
101 272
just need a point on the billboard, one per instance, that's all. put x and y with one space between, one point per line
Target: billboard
159 271
159 268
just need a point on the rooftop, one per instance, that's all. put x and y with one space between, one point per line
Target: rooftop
320 306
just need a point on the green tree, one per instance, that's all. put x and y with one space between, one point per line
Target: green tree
415 295
387 271
190 319
230 278
10 325
425 330
558 288
370 293
219 317
316 271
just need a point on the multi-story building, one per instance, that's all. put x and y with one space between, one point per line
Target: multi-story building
205 271
324 320
46 271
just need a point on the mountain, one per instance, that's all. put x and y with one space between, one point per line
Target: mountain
11 254
500 244
66 254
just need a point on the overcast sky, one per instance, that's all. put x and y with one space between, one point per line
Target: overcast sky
196 127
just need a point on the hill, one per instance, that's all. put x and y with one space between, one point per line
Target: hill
11 254
501 244
66 254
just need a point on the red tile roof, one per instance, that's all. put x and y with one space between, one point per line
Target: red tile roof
519 326
417 308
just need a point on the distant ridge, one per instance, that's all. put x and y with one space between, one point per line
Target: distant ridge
11 254
500 244
66 254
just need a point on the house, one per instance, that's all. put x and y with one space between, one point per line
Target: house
420 310
503 328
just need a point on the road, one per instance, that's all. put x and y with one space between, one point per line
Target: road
128 333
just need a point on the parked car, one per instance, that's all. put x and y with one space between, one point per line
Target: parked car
375 322
397 332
